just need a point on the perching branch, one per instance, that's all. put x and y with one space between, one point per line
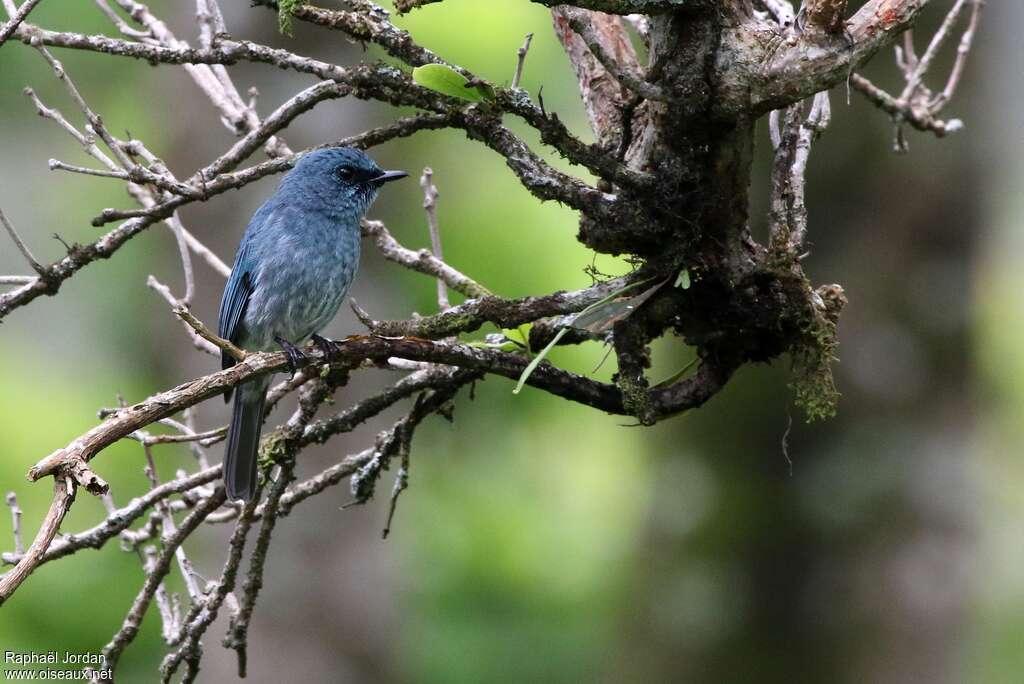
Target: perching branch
609 6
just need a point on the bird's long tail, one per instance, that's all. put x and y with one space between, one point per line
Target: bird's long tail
244 440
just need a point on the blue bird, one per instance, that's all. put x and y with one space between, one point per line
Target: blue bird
293 269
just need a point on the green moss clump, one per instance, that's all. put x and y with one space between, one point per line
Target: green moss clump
813 384
285 9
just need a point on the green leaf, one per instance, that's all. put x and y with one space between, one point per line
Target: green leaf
519 336
537 359
675 377
683 280
446 80
596 318
602 315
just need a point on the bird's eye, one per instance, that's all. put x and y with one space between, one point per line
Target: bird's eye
344 174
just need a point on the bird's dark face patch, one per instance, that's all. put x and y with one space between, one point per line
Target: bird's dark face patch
341 177
352 174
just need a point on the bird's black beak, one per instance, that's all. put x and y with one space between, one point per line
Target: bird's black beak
388 176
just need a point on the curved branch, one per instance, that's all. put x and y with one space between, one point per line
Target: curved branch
609 6
503 313
688 393
63 495
120 519
83 255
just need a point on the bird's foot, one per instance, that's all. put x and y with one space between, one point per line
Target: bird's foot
295 356
327 347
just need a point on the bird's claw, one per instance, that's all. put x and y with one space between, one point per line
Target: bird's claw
295 356
327 347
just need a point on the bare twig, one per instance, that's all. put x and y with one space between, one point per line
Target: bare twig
8 28
205 612
206 254
119 520
174 222
154 578
200 329
916 105
922 65
430 195
422 261
520 60
963 49
238 630
12 503
200 342
922 121
22 247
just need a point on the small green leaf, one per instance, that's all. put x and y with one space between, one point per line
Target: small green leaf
602 315
520 335
677 376
446 80
596 318
683 280
537 359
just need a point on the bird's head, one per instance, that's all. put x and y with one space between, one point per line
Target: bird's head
342 175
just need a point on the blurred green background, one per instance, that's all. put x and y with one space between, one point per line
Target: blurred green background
539 540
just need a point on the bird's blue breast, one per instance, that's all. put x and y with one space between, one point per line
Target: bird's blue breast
302 260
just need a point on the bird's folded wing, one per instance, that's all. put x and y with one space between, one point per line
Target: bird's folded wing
233 303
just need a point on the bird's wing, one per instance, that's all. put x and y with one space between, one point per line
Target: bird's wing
236 297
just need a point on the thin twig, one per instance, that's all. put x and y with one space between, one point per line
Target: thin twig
204 613
422 261
119 521
12 503
963 50
238 630
922 121
22 247
174 222
924 64
430 195
8 28
520 60
63 496
200 342
200 328
206 254
130 627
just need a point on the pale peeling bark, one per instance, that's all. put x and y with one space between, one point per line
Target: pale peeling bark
603 96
